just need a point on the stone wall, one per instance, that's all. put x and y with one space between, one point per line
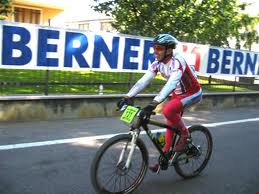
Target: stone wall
23 108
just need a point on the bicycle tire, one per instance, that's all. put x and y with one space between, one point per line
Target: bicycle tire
179 168
100 153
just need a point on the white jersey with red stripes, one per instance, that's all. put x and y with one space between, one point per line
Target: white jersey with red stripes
181 78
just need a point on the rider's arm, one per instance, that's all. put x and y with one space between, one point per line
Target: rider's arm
170 85
141 84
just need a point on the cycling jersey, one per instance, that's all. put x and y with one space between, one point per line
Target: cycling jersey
181 78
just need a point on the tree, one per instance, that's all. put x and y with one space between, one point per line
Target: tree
202 21
249 33
5 9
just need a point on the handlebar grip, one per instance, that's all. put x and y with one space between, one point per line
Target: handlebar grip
122 108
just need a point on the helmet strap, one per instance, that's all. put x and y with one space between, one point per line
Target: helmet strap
166 57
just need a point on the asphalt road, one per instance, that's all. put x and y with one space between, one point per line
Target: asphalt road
48 157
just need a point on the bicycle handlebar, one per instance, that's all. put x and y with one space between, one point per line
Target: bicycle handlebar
138 114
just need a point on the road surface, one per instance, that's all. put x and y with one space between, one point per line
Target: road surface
54 157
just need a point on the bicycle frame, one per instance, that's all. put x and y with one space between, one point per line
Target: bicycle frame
144 124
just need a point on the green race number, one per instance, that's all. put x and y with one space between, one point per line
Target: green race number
129 114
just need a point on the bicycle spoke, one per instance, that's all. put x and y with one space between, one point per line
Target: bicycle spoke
104 168
109 180
109 160
134 171
195 165
128 180
120 184
129 175
200 161
125 183
115 184
105 174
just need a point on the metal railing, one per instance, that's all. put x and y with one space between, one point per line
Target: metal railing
15 82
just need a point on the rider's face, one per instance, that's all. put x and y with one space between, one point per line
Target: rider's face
159 51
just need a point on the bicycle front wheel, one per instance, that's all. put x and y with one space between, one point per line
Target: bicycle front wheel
109 172
190 163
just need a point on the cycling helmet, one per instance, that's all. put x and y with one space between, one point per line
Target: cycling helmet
166 40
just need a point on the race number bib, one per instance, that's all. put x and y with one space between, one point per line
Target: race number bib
129 114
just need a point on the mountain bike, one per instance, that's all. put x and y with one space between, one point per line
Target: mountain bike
121 163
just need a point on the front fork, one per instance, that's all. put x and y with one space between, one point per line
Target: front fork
133 145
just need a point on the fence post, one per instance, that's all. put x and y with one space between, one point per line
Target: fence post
234 86
46 90
130 79
209 80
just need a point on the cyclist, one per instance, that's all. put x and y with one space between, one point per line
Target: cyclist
181 83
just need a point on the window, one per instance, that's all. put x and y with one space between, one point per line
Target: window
27 15
84 26
106 26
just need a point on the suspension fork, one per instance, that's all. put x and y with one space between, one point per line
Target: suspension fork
133 145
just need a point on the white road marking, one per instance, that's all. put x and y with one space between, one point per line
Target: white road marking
91 138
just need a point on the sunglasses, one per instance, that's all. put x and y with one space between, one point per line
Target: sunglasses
158 48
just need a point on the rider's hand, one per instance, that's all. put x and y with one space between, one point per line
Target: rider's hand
124 101
147 111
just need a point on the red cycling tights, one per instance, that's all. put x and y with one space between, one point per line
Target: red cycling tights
173 112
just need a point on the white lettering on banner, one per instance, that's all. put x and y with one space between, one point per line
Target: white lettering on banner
28 46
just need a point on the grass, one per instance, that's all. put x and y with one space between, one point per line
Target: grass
63 82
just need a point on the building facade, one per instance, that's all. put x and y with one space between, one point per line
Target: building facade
34 12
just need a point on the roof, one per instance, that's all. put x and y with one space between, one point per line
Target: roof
53 4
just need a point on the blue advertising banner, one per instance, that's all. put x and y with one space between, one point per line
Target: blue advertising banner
28 46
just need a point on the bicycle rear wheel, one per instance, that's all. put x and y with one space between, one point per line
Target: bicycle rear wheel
108 171
190 163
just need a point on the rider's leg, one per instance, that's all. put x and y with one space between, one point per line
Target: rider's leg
173 109
173 112
168 139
